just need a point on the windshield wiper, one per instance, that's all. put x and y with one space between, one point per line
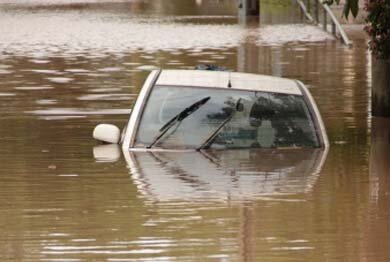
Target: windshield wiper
210 139
178 118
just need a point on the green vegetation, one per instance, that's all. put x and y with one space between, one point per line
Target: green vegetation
378 27
378 23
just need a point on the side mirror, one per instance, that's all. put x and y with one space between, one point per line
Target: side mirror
107 133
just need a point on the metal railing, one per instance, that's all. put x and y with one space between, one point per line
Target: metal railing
313 9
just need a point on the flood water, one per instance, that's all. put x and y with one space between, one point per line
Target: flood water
66 66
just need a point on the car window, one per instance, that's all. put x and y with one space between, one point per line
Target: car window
237 119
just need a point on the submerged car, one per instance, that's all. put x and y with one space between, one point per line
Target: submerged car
198 109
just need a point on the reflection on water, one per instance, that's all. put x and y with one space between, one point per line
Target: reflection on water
376 224
67 65
224 175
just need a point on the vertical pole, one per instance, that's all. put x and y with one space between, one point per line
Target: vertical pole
276 65
253 7
241 58
248 8
325 25
242 16
316 16
380 87
301 13
333 28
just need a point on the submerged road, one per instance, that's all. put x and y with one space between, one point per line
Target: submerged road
67 65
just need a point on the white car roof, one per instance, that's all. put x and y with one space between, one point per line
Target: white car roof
220 79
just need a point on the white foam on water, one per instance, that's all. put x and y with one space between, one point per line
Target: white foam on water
110 69
78 112
33 88
70 33
46 71
281 34
7 94
106 97
60 80
46 102
5 72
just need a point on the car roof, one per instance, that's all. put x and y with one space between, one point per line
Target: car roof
220 79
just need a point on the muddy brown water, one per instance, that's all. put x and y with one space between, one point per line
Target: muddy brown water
66 66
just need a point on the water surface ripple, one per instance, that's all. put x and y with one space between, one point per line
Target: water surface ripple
67 65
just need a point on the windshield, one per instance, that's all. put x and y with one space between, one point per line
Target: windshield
230 119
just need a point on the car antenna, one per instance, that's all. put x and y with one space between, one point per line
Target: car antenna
230 82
